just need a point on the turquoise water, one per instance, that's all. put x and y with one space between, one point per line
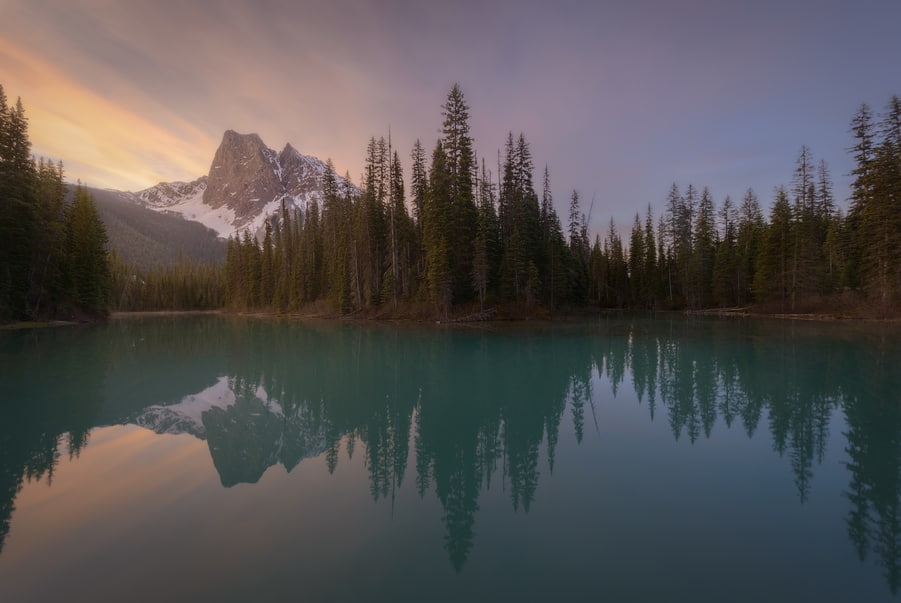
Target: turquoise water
623 459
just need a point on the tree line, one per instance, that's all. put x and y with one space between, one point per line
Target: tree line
53 246
470 239
474 238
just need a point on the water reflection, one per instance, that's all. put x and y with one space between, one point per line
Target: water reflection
472 410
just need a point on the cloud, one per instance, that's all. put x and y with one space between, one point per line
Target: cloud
109 144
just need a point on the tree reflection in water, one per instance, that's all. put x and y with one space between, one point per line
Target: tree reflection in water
471 409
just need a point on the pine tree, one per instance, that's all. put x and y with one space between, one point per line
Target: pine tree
673 242
267 269
437 226
419 186
88 268
47 265
457 145
749 239
808 233
484 258
651 266
554 256
725 267
578 250
335 241
704 251
637 253
17 210
398 219
618 270
863 151
772 281
879 218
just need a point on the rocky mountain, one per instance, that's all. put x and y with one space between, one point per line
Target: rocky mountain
247 183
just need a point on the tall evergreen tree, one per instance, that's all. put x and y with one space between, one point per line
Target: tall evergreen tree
749 239
725 268
772 280
437 220
485 244
651 264
457 146
17 210
704 251
87 255
880 216
48 261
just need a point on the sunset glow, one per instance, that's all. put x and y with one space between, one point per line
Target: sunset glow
618 101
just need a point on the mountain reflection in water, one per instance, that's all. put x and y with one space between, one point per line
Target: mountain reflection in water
470 408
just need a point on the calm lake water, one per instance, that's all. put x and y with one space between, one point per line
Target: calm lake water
623 459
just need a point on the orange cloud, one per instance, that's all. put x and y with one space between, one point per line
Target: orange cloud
99 141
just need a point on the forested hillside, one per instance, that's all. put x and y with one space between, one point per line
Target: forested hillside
145 238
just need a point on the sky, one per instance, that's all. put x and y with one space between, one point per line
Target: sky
618 99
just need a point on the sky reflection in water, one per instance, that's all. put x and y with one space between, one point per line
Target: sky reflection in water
632 458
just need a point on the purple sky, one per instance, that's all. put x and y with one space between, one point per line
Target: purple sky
619 99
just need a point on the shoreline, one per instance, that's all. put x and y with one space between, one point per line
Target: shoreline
482 317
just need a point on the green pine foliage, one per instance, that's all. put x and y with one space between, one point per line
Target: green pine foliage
87 260
54 259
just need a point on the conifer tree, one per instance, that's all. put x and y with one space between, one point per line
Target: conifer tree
87 255
457 145
484 258
749 238
704 251
879 218
419 185
772 280
725 267
17 210
437 228
579 253
267 269
637 251
48 261
651 265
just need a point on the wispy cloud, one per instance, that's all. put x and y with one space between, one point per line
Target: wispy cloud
109 145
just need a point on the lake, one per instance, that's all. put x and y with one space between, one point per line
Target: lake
626 458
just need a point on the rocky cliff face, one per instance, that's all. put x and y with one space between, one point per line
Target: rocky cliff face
245 176
246 184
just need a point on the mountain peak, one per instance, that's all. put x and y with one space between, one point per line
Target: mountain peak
231 137
247 183
243 176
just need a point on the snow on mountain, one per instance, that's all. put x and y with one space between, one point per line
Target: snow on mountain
186 200
246 184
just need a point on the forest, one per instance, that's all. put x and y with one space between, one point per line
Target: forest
473 241
466 241
54 257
